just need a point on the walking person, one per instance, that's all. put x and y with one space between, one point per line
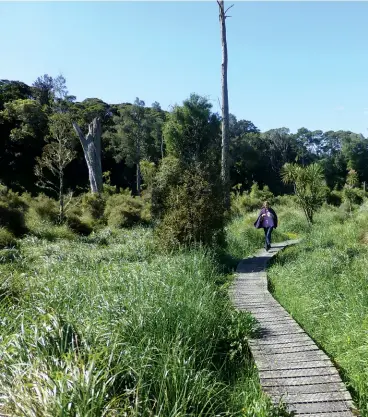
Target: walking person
267 220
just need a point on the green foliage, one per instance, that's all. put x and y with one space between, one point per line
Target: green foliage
7 239
44 207
148 171
193 211
81 225
242 239
250 201
352 179
119 328
124 210
12 218
322 283
335 198
168 176
351 195
309 186
191 131
187 195
27 116
94 204
57 154
262 195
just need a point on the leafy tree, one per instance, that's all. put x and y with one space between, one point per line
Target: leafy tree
241 127
159 117
351 195
194 211
56 156
132 138
246 156
309 186
191 132
27 117
42 90
281 147
23 126
13 90
148 170
187 199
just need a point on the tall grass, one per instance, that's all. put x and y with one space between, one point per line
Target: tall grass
105 326
322 282
243 239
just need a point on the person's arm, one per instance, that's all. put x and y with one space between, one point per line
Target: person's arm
276 220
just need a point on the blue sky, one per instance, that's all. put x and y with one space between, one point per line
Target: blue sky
291 64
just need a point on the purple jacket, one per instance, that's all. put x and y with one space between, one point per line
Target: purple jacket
266 221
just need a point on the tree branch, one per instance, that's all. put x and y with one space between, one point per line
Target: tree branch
79 132
227 11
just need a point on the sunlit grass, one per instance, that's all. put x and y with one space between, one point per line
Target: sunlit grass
105 325
322 282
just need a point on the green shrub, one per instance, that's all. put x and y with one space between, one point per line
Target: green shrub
6 238
167 176
45 207
334 198
94 204
261 195
243 203
79 225
12 219
194 211
353 196
123 210
287 200
291 220
250 201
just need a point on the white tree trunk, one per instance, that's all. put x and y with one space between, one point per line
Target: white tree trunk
225 168
91 144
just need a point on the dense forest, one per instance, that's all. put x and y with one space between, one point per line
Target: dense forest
26 112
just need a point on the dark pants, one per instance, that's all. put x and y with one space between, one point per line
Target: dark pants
268 231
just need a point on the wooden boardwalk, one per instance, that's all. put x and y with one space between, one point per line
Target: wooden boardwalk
290 364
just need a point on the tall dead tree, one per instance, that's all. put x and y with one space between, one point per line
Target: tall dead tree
225 168
91 144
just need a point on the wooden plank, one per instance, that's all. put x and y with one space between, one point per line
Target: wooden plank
287 344
292 373
302 380
280 340
305 389
315 397
328 414
292 349
319 407
299 356
290 364
272 365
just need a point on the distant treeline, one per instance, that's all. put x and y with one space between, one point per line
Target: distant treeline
256 156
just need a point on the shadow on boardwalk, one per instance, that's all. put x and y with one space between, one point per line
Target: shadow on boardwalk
291 366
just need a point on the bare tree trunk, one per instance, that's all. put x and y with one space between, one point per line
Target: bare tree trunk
225 168
61 197
92 153
138 168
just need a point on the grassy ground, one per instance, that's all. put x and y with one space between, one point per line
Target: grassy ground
243 239
106 326
322 282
